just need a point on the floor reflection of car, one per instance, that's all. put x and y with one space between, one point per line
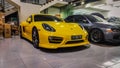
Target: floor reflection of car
51 32
99 29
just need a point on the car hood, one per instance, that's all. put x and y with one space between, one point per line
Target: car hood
117 25
66 28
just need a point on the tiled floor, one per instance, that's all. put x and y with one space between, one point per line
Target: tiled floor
19 53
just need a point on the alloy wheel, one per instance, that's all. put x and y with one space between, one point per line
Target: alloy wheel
96 35
35 38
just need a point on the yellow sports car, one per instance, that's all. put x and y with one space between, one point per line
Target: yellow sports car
51 32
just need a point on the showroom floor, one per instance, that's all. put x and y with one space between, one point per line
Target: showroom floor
19 53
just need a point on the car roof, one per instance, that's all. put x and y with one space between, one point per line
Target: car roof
43 14
81 15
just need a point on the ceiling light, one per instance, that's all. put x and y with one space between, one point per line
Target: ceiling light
82 3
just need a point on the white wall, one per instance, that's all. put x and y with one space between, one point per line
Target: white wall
89 11
84 11
27 9
53 11
113 11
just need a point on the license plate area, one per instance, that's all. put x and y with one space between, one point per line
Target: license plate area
76 37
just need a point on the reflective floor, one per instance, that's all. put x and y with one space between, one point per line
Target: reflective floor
19 53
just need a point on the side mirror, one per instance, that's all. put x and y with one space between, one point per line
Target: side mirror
85 21
29 20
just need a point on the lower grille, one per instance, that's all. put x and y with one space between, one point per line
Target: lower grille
73 42
116 37
53 39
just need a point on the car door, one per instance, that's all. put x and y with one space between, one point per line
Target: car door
28 27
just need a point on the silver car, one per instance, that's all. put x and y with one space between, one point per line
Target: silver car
99 29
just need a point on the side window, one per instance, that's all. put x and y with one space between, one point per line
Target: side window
81 19
29 19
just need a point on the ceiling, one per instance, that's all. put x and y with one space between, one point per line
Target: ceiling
80 2
89 1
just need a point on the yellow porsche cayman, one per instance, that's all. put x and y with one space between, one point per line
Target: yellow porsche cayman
51 32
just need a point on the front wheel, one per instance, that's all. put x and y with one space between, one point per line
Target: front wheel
96 36
35 38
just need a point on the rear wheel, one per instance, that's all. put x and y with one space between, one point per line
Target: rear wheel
21 33
96 36
35 38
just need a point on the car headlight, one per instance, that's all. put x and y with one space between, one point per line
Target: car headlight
113 30
48 27
83 29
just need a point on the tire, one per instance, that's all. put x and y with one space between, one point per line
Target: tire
21 33
35 38
96 36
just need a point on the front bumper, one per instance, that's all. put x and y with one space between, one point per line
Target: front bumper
55 46
61 41
113 37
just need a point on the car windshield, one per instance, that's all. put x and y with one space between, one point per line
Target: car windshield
94 18
46 18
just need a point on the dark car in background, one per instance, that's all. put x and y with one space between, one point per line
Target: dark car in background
115 20
99 29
